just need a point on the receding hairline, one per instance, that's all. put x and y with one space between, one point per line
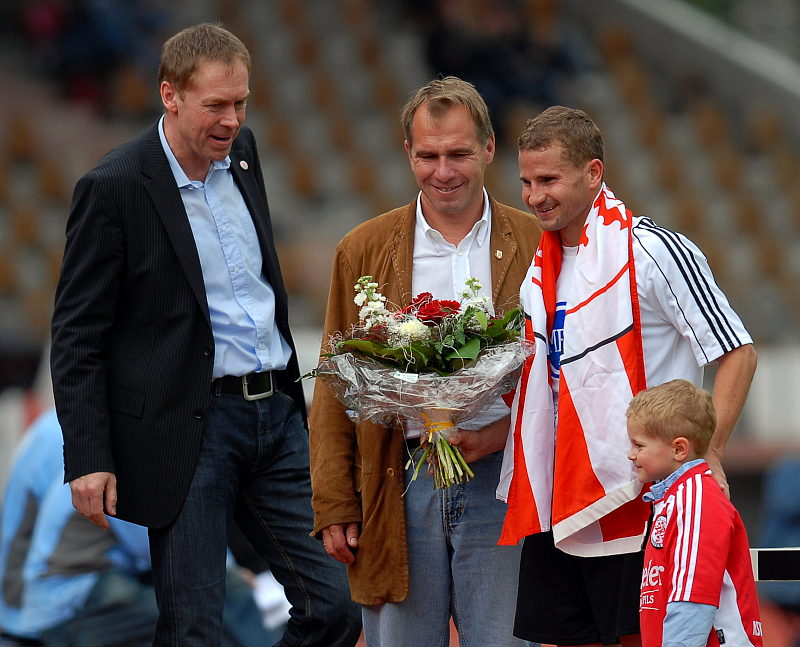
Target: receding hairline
442 95
437 111
189 49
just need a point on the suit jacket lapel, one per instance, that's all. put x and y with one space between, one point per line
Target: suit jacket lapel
246 175
502 250
160 184
245 180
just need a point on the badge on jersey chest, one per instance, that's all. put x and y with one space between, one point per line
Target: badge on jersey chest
658 531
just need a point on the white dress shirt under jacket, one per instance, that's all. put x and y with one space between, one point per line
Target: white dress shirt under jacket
441 268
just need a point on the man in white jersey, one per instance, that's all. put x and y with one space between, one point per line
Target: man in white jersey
640 307
424 554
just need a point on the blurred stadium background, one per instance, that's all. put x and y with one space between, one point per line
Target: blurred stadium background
698 101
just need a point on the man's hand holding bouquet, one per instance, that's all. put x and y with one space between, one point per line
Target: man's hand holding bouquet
436 361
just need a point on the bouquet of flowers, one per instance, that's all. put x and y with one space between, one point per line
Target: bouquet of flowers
436 361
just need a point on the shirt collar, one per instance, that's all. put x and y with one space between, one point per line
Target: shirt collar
480 230
181 179
659 489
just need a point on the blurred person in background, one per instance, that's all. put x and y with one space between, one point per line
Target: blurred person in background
780 527
174 370
616 304
514 63
81 584
417 555
67 582
88 46
36 462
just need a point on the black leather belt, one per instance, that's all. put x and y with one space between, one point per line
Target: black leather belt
253 386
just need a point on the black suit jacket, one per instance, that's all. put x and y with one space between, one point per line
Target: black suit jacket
132 347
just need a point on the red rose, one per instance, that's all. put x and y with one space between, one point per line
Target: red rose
451 306
435 311
423 298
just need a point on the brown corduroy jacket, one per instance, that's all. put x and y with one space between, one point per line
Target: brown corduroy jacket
357 469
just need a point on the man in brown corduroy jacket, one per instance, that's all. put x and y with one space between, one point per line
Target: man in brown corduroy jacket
417 556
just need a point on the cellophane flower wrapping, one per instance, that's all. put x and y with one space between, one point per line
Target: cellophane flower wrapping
378 393
436 361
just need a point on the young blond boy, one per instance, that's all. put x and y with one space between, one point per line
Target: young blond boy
697 581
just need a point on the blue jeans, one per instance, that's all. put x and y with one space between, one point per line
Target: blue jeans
253 465
456 568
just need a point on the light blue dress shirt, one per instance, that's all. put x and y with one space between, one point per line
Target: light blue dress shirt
241 303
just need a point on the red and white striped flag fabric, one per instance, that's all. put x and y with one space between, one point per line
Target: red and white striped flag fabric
575 477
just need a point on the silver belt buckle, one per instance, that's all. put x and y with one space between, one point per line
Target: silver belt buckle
257 396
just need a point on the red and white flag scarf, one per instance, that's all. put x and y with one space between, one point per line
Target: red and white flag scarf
576 478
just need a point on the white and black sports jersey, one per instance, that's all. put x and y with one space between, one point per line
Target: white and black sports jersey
687 321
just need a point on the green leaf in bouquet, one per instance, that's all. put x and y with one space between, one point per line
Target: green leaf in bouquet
481 317
364 346
423 355
511 318
377 350
505 328
413 358
467 353
499 335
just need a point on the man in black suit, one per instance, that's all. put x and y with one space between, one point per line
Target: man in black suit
174 370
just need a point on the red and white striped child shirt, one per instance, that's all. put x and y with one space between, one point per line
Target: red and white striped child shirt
697 551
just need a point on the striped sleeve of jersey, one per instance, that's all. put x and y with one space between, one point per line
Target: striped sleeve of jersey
679 286
703 533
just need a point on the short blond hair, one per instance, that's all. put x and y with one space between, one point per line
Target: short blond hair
439 96
674 409
572 129
183 53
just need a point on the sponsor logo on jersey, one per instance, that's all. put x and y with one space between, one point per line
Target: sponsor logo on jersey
651 583
651 575
556 344
658 531
646 600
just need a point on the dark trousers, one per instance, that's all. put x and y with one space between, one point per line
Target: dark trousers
253 465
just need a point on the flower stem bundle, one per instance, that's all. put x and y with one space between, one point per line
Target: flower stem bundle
445 461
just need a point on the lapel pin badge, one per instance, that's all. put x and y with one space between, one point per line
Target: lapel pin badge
498 253
243 164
